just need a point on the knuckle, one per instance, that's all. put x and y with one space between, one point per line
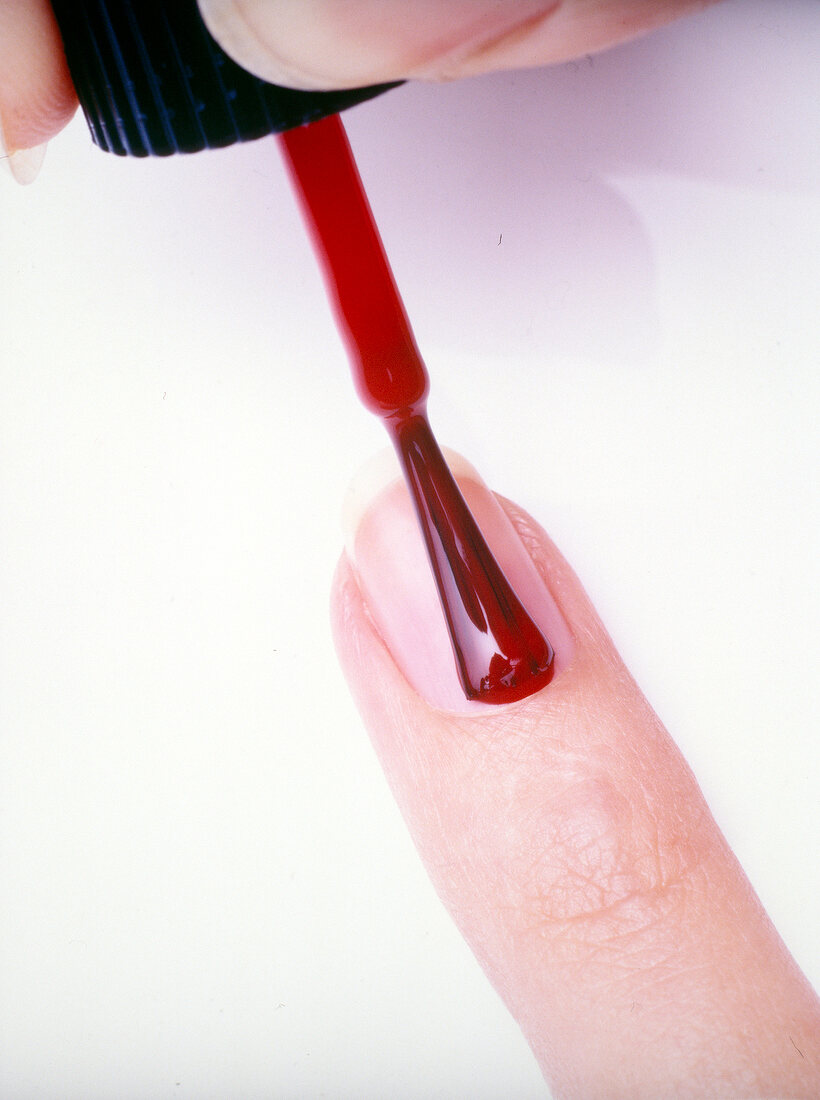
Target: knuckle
595 863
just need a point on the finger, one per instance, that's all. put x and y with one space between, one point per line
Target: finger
345 43
567 836
36 94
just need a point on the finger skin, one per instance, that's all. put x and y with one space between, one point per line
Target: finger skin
344 43
37 97
573 848
330 43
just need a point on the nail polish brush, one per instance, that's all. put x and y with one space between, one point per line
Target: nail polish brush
151 80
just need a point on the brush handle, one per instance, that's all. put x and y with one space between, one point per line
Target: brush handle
152 81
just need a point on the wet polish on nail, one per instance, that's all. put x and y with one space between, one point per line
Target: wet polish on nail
500 654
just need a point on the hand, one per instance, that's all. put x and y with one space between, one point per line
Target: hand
568 837
325 44
565 834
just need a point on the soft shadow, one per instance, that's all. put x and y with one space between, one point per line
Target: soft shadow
501 192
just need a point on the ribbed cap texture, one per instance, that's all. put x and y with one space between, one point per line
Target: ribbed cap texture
151 80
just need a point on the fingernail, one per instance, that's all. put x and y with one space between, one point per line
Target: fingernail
386 550
248 32
514 39
23 164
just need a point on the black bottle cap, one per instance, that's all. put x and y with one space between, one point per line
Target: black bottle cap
151 80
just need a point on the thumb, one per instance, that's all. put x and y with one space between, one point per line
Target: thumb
344 43
566 834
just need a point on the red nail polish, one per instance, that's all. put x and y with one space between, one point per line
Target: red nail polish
500 653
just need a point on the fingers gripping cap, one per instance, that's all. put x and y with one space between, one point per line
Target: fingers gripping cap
151 80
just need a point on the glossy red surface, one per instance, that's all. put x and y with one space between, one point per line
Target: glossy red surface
500 653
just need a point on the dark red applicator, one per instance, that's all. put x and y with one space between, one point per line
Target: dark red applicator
152 81
500 653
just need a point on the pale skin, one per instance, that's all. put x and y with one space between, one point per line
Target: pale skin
565 834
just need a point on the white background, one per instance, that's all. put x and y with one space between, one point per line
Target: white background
613 271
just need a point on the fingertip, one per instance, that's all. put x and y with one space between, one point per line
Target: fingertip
391 563
37 97
571 843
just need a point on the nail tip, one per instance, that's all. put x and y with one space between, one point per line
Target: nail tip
25 164
378 473
368 482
